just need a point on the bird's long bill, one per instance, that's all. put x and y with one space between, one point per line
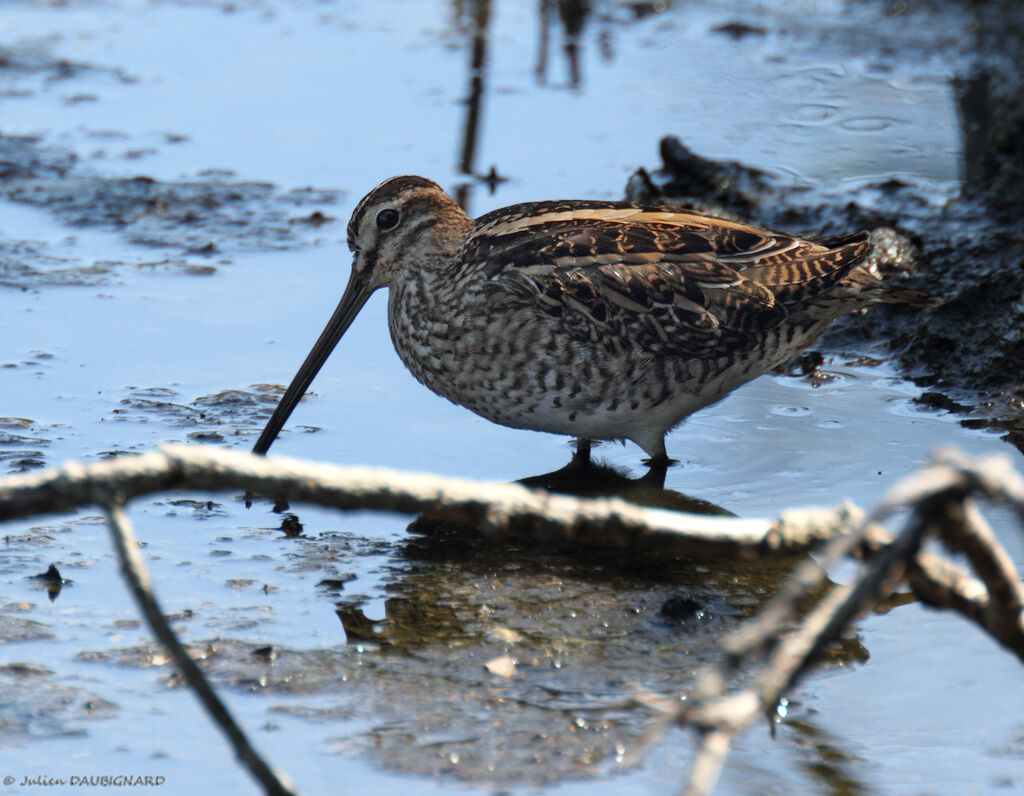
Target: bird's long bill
356 293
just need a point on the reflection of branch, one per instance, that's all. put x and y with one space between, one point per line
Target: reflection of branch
135 574
573 14
500 509
540 71
476 88
481 14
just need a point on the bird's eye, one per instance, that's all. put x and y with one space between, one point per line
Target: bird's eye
387 219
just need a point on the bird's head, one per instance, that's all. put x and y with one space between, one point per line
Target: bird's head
404 224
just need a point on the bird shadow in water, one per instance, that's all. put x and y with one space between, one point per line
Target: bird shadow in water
581 478
588 478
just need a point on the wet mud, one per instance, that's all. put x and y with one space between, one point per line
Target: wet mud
490 662
195 226
21 444
37 706
209 418
219 418
453 656
30 66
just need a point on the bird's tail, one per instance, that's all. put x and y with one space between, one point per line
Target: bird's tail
914 298
893 257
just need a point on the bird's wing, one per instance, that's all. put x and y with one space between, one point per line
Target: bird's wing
675 283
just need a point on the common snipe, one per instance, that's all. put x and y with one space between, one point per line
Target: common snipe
601 320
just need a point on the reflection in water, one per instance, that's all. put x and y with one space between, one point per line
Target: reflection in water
457 586
51 581
544 14
590 479
474 18
582 634
479 19
827 760
409 623
573 16
573 13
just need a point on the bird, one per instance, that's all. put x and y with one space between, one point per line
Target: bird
600 320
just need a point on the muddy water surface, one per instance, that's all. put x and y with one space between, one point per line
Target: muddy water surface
176 178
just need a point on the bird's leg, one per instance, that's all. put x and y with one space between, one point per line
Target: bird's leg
657 469
659 461
581 458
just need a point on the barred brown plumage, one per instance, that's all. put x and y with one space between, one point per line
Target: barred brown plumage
601 320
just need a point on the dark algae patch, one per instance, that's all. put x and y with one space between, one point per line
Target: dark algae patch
208 418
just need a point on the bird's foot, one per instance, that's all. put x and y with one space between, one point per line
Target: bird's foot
581 457
657 469
660 462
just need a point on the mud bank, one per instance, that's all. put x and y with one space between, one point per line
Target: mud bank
195 224
968 353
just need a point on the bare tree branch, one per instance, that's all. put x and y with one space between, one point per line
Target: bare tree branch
781 648
711 754
274 783
993 602
973 536
500 509
939 495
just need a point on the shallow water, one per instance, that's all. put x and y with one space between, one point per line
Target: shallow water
124 329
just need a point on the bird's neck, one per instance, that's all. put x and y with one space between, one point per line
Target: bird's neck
419 295
427 261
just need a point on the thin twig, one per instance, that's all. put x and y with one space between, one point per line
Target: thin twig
273 782
778 613
942 584
990 560
711 754
795 652
715 712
